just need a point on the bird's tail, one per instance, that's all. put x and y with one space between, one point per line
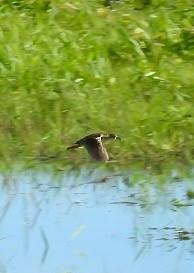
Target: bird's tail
73 147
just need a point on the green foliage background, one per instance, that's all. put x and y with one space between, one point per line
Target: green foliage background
70 68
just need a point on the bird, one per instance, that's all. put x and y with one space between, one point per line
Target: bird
94 145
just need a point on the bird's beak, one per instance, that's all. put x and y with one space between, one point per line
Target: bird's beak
117 138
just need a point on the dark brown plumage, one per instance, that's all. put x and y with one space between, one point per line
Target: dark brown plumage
94 145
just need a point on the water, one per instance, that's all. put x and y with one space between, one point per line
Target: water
88 222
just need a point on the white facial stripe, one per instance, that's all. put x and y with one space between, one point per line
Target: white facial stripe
99 138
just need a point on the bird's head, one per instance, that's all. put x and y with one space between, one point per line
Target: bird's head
110 136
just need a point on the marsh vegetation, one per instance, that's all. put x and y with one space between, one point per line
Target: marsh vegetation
70 68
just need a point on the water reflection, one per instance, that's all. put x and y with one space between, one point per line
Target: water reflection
85 221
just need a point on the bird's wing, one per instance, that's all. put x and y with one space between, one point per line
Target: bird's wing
95 148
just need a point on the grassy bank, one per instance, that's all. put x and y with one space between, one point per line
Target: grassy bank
74 68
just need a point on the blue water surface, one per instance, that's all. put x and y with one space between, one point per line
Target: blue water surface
82 223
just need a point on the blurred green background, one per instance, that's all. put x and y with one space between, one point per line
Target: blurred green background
71 68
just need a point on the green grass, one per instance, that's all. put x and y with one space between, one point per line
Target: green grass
70 68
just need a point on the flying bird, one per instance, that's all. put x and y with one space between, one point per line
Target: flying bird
94 145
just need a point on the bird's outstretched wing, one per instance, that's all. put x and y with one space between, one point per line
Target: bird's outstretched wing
95 148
